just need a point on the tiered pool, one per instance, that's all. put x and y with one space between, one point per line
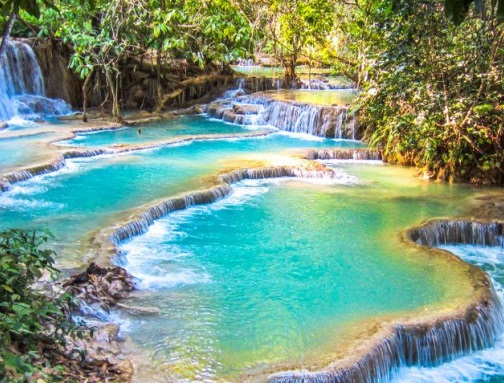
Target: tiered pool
150 133
280 274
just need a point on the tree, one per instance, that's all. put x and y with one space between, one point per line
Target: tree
293 25
203 32
102 35
11 8
457 10
432 93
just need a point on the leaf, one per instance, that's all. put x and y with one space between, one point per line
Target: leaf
7 288
500 10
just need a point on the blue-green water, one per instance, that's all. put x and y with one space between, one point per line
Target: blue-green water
181 126
319 97
280 271
12 152
92 193
486 366
279 274
304 72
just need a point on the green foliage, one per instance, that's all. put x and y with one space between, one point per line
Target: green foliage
200 31
25 311
15 6
298 28
432 92
457 10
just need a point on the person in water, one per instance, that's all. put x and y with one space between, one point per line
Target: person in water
139 130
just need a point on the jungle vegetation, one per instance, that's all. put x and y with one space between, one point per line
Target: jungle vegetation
431 71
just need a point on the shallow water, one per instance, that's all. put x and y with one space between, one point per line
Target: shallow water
284 272
13 150
279 273
182 126
91 193
302 71
314 97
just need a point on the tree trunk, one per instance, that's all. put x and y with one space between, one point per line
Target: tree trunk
158 104
85 88
290 70
114 90
6 33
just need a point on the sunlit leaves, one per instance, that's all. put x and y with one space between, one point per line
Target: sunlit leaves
433 92
23 310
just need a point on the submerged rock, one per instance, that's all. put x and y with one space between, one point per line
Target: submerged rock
102 285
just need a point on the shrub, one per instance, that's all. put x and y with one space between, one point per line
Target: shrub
29 318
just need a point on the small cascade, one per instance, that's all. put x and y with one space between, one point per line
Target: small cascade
428 344
141 225
444 232
344 154
295 117
414 345
23 175
238 91
323 84
246 62
147 218
22 85
87 153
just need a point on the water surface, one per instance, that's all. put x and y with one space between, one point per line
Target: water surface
282 274
485 366
314 97
92 193
163 130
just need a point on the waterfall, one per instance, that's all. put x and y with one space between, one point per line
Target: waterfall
7 180
317 120
344 154
141 224
443 232
323 84
22 85
414 345
238 91
426 344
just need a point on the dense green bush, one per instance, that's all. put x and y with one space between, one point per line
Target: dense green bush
29 319
433 92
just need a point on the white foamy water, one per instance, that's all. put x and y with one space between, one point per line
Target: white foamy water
357 162
482 366
20 204
142 253
20 122
299 136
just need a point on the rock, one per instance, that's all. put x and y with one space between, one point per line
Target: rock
230 116
137 310
125 369
215 110
106 334
101 285
246 109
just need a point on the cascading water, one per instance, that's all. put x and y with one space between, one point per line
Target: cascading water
22 85
323 84
288 115
481 244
